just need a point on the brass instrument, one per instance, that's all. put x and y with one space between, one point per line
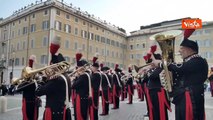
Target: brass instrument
166 41
124 78
80 69
138 68
48 71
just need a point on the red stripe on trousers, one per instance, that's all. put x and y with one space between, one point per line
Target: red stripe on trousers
189 112
48 114
24 109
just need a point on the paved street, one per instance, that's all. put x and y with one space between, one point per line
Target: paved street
126 111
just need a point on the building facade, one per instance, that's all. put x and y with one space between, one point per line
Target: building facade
30 31
138 43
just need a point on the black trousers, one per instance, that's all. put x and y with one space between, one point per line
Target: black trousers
197 99
105 102
94 106
155 104
31 110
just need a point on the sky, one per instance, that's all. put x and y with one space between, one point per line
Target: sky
129 14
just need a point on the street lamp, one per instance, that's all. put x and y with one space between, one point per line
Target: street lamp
11 73
2 67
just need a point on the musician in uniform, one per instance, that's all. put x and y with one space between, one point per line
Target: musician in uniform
105 90
82 87
96 81
129 84
30 102
56 89
211 81
159 102
116 83
123 88
189 98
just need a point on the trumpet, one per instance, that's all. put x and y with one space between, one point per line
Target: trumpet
48 71
138 68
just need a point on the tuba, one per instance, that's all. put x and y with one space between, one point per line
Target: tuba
166 41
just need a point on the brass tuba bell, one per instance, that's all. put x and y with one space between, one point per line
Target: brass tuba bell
166 41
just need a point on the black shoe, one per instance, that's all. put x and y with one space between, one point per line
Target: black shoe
103 114
114 108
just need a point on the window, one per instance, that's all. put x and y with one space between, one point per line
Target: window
19 21
117 44
112 42
208 55
84 23
91 36
32 44
103 39
76 31
143 45
45 12
25 19
97 38
138 56
76 19
113 54
33 15
58 25
17 62
102 52
58 12
108 41
22 61
33 28
67 44
67 16
43 59
137 46
96 28
24 30
131 47
83 34
45 25
107 52
67 28
24 45
131 56
44 42
67 58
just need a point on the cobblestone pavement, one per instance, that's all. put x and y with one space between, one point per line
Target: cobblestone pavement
126 111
